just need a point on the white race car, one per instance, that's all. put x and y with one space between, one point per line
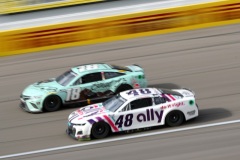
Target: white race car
133 109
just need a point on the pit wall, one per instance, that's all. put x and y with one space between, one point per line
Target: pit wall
15 6
119 27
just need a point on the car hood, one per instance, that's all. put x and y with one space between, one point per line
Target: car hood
42 87
83 114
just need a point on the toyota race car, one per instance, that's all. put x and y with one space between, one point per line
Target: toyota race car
133 109
84 84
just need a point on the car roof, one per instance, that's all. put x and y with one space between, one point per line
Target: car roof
86 68
139 93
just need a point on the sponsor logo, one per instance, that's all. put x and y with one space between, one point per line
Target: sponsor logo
150 115
172 105
191 113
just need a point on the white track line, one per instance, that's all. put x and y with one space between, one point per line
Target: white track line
119 139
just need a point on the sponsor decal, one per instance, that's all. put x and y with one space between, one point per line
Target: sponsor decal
191 113
186 93
135 84
148 115
73 94
80 112
107 85
113 126
91 121
172 105
137 92
73 116
87 67
164 96
171 97
191 102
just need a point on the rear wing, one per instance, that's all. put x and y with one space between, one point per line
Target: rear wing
135 68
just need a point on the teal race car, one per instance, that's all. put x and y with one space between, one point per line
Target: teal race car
81 85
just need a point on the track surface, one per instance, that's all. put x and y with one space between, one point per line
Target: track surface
207 61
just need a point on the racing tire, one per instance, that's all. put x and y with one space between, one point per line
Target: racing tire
100 130
174 118
52 103
122 88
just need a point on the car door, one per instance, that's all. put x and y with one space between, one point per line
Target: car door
81 89
138 113
112 80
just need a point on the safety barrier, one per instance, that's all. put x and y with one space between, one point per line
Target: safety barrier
119 27
14 6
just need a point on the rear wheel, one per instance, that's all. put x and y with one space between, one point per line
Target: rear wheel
123 88
52 103
174 118
100 130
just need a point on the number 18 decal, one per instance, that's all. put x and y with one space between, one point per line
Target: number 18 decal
73 94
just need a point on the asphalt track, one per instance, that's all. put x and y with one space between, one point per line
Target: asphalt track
207 61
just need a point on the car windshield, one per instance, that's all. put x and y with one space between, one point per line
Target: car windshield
114 103
65 78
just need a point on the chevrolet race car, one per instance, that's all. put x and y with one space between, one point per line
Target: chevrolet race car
84 84
133 109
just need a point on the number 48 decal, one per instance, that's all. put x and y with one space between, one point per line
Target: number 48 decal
127 121
73 94
139 91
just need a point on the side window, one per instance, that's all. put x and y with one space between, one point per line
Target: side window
126 108
93 77
141 103
159 100
78 82
109 75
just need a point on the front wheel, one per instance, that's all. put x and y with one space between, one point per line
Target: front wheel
174 118
52 103
100 130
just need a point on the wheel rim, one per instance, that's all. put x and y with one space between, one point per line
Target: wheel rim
100 129
174 117
52 102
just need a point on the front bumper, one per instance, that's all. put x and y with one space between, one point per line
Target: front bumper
76 133
24 106
30 105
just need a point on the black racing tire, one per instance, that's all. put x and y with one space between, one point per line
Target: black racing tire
174 118
100 130
123 87
52 103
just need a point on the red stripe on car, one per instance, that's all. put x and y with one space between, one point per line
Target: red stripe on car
111 123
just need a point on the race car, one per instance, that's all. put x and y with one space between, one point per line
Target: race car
131 110
83 84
